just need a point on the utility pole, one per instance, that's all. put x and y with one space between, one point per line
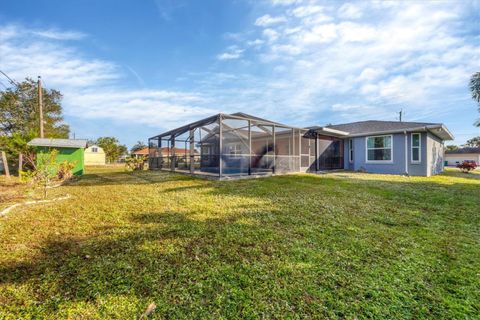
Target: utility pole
40 105
400 115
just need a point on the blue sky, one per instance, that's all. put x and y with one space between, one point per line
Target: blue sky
133 69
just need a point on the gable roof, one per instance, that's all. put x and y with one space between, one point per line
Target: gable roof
464 150
370 127
58 143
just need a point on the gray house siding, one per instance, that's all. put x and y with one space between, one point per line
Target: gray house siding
417 168
435 152
397 166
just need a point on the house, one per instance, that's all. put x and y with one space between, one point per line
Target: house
94 156
454 157
140 153
238 144
71 150
144 152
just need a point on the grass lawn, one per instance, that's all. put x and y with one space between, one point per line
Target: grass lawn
339 245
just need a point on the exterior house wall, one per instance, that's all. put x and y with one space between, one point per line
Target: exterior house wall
397 166
454 159
434 155
417 168
94 158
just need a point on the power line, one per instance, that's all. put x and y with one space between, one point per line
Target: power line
9 79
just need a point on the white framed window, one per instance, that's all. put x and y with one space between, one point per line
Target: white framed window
350 150
379 149
416 148
235 149
94 149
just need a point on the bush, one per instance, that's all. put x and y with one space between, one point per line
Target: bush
467 166
133 163
65 170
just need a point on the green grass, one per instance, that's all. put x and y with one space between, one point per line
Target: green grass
339 245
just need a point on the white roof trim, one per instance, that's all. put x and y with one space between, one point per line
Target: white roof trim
447 136
331 131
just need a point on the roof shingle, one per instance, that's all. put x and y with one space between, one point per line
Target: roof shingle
372 126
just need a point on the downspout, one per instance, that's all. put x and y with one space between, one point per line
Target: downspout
406 153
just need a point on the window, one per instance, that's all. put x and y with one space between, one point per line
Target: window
234 149
379 149
416 147
94 149
350 150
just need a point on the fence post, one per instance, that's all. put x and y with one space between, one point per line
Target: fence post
5 164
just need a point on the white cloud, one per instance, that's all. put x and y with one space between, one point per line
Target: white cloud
89 86
233 52
267 20
271 34
304 11
382 55
286 49
350 11
59 35
255 43
284 2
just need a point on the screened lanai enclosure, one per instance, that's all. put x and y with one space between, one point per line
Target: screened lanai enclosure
236 145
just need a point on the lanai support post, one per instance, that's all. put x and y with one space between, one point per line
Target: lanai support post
220 143
192 151
172 152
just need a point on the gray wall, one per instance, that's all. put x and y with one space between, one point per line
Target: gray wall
430 163
435 154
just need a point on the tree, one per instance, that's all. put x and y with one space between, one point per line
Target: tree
113 150
19 111
451 148
474 142
138 146
19 117
475 89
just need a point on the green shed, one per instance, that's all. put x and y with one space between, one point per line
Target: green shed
71 150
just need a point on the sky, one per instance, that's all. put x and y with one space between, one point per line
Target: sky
134 69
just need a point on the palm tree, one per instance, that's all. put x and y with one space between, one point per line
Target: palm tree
475 89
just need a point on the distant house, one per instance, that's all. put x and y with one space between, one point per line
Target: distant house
454 157
239 144
140 153
71 150
161 151
94 156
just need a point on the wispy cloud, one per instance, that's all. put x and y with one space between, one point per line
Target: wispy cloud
267 20
59 35
232 53
374 57
91 87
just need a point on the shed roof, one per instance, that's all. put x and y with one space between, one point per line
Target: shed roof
58 143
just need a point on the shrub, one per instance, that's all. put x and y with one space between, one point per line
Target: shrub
467 166
133 163
44 173
65 170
